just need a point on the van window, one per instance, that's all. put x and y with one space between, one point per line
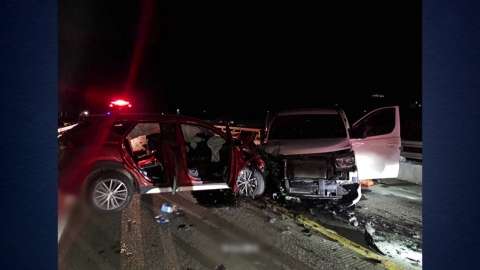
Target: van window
307 126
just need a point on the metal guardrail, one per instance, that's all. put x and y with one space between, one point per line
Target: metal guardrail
411 150
236 130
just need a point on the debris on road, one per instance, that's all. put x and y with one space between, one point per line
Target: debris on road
261 205
413 260
167 208
179 212
161 219
377 181
367 183
270 220
220 267
368 237
353 221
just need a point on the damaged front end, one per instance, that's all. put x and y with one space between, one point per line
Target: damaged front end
330 175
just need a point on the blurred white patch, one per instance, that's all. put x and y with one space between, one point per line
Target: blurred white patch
240 248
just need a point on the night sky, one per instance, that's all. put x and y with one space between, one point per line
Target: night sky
239 58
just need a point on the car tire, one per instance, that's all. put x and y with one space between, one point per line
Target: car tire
102 190
259 183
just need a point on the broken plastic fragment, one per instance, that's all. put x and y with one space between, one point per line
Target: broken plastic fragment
353 221
179 212
162 220
271 220
368 237
167 208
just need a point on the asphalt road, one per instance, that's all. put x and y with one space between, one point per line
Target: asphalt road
247 235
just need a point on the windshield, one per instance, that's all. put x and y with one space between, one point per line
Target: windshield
307 126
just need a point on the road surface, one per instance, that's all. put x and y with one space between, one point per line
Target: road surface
247 235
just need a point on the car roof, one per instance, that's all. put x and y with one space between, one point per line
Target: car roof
308 111
98 122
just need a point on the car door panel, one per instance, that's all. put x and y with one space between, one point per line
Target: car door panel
231 174
173 154
377 154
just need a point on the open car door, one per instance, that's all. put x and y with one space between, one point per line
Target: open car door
376 142
173 156
230 174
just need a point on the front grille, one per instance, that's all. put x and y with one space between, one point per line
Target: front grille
308 168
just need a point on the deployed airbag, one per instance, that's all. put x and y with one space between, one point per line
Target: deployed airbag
215 144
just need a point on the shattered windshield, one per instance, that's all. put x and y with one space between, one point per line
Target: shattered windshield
307 126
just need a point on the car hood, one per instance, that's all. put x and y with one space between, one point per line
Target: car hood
306 146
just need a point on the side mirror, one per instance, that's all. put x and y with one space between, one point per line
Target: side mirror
237 142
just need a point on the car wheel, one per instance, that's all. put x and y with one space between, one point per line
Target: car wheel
110 192
250 183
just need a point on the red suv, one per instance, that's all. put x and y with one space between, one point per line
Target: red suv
107 158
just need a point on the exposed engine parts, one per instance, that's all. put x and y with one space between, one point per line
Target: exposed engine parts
322 176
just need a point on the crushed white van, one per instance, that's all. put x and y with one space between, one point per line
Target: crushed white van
322 157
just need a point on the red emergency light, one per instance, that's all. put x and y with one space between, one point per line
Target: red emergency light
120 102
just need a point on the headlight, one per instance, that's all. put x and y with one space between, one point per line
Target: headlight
345 160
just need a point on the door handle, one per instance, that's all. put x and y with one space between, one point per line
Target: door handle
393 144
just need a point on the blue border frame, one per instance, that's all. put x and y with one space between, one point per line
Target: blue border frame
451 87
451 90
28 79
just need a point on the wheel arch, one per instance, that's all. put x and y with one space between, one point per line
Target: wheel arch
102 166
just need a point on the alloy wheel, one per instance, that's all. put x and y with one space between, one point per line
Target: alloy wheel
247 183
110 194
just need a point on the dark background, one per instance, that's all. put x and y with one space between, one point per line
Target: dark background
239 58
